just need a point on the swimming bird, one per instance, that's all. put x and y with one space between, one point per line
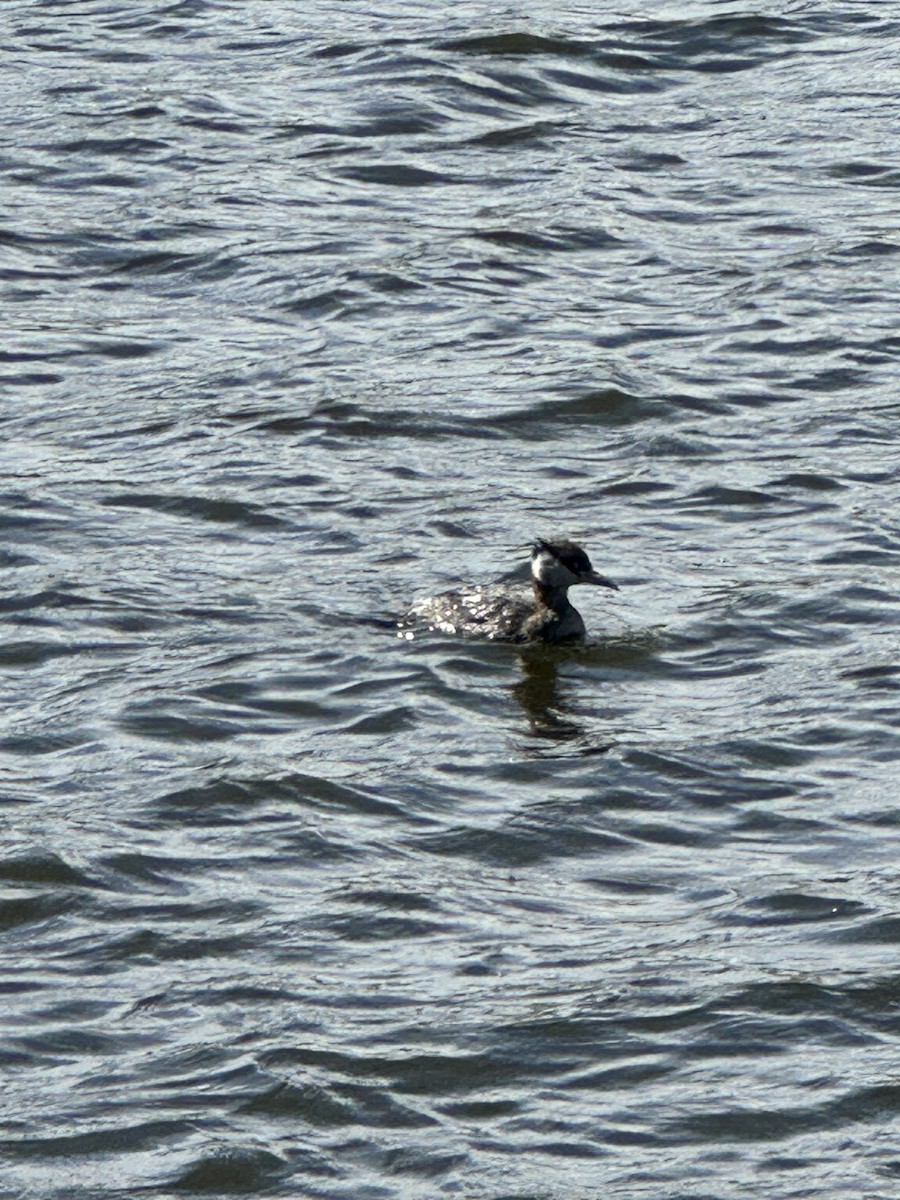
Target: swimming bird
508 614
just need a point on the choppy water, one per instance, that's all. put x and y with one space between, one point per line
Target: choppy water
311 308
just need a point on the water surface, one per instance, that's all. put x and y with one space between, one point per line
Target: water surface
309 310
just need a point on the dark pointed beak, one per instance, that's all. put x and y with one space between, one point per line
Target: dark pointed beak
599 580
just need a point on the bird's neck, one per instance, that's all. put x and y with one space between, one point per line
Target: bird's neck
554 598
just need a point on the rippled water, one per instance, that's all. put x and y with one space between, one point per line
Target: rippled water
309 309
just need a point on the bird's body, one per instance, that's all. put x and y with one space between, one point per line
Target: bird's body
542 613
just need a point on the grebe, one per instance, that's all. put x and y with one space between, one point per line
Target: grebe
505 614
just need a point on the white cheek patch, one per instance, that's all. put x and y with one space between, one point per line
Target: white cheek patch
545 567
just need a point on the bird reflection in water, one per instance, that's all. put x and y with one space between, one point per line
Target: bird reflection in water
547 710
553 707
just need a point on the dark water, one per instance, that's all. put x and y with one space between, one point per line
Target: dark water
310 308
